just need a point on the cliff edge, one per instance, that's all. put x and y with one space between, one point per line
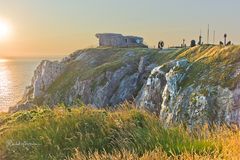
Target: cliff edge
197 85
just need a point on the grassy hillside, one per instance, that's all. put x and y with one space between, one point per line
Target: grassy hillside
86 133
101 60
125 133
207 63
213 65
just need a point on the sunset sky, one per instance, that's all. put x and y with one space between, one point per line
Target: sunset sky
41 28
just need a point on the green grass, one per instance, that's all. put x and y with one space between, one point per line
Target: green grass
163 56
209 62
81 133
55 134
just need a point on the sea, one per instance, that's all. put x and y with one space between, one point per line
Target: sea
15 75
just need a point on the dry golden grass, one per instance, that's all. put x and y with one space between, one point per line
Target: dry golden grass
123 134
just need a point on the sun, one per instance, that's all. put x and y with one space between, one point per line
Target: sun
5 30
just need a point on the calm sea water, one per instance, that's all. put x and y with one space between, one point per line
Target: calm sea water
15 75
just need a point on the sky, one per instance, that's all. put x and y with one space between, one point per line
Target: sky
51 28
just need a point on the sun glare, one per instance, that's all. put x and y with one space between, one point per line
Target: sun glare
3 60
5 30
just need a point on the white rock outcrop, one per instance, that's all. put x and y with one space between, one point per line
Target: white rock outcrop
193 105
45 74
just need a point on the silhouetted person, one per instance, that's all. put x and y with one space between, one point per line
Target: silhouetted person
229 43
193 43
160 45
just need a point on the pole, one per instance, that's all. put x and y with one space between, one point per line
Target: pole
225 39
214 34
208 35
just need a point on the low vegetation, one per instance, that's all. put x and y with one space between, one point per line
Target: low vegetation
126 133
209 62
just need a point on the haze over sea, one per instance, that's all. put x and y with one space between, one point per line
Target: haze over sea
15 75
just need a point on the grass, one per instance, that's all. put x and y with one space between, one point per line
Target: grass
209 62
126 133
165 56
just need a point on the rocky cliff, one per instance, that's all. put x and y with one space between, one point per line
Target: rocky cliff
196 86
201 86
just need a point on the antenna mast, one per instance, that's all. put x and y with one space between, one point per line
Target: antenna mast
200 38
208 35
214 34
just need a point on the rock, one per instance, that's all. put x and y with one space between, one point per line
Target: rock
81 90
45 74
195 105
126 90
142 64
150 67
103 94
161 86
110 87
82 56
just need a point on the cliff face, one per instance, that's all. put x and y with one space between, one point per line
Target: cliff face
195 86
99 77
197 104
45 74
200 87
